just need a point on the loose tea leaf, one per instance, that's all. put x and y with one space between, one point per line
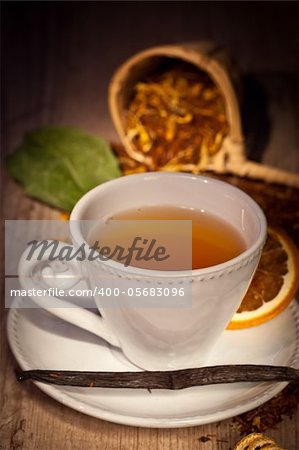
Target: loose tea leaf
59 165
271 413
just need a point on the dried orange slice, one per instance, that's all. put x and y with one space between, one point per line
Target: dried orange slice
273 285
257 441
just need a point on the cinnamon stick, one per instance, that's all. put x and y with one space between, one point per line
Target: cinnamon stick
173 380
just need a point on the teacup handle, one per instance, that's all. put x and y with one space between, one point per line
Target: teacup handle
32 268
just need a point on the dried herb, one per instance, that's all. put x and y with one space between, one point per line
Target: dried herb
176 120
271 413
174 380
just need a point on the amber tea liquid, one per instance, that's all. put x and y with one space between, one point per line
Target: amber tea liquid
214 241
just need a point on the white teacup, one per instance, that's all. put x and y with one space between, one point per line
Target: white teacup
163 338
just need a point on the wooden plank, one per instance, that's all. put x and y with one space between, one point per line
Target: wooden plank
59 59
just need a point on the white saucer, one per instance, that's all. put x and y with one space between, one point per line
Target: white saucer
41 341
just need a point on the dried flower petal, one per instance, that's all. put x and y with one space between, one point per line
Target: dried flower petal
177 119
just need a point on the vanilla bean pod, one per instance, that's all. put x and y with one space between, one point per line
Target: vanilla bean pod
174 380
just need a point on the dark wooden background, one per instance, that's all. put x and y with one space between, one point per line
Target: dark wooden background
57 60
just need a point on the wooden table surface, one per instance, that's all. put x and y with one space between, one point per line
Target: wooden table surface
59 58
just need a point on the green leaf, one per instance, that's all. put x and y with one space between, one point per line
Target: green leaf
59 165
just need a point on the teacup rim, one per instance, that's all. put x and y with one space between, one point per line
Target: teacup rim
78 238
